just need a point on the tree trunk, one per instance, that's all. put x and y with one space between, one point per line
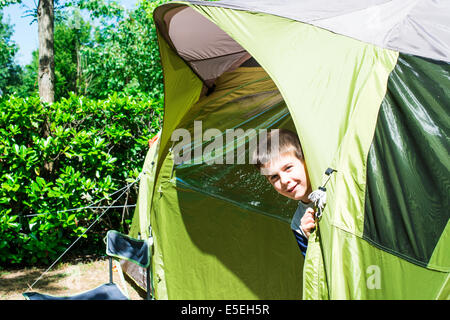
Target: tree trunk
46 75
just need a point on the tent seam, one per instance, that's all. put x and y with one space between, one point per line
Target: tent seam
392 252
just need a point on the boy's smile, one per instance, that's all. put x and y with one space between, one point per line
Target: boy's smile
289 176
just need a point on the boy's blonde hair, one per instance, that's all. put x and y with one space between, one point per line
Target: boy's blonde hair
288 142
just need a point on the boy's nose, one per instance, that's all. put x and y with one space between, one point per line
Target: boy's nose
284 179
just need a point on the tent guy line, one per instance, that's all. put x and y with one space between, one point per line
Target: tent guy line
96 220
81 208
91 206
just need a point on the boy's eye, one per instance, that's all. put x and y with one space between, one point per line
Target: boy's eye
273 178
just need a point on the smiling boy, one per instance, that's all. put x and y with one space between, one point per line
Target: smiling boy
285 169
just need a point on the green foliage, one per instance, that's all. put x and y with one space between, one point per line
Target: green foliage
95 147
100 8
70 34
125 56
4 3
69 37
29 84
120 54
9 70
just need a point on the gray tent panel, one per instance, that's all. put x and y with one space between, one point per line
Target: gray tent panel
418 27
206 48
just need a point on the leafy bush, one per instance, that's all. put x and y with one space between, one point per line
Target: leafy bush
63 156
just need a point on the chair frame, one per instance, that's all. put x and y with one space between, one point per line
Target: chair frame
148 295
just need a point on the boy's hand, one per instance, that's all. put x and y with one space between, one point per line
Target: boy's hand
307 222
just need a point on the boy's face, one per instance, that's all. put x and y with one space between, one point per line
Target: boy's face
289 176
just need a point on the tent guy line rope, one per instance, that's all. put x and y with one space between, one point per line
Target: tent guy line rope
91 205
96 220
88 207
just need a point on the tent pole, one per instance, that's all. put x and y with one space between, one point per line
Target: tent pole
110 270
148 283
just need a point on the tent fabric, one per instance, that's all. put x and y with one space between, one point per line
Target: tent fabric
141 219
182 88
211 53
415 27
207 49
316 286
336 80
406 209
418 27
345 210
356 270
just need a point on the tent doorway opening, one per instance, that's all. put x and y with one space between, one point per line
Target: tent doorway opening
229 212
244 100
237 94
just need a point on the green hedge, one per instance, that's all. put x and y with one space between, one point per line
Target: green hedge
92 148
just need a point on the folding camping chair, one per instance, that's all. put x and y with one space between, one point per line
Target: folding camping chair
118 246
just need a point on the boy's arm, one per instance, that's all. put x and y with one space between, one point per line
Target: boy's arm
307 223
302 242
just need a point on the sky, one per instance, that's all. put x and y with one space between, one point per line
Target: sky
26 34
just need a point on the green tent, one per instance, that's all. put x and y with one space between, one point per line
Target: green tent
366 85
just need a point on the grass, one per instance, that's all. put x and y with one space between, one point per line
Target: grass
66 278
